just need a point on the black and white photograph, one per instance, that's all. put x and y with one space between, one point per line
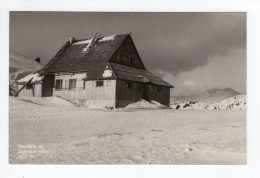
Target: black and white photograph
127 88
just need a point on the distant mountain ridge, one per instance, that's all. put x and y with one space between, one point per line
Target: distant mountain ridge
209 95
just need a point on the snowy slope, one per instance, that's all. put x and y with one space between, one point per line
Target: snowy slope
21 62
20 66
208 95
216 94
236 102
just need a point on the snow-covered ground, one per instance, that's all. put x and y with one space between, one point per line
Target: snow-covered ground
54 131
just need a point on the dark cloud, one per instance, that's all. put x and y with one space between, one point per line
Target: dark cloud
169 42
194 39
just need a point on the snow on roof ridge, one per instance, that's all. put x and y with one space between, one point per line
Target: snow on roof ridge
83 41
107 38
87 40
115 34
36 78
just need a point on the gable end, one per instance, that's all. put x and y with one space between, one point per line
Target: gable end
127 54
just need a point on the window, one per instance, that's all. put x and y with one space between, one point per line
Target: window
135 61
152 88
140 88
72 84
159 89
129 84
119 58
29 86
132 60
58 84
125 60
100 83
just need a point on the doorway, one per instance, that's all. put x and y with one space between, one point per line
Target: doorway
48 85
145 92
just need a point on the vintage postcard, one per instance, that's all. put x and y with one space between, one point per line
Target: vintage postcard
127 88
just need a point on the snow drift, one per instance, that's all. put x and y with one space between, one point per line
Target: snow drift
143 104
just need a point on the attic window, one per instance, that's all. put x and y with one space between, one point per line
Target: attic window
100 83
125 59
132 60
119 58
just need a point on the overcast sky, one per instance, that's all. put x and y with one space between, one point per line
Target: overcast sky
192 51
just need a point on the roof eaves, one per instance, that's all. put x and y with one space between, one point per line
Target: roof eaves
171 86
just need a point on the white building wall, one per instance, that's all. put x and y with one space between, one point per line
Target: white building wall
89 95
74 94
66 77
29 92
101 96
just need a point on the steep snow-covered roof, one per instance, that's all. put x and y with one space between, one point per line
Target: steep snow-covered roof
82 54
